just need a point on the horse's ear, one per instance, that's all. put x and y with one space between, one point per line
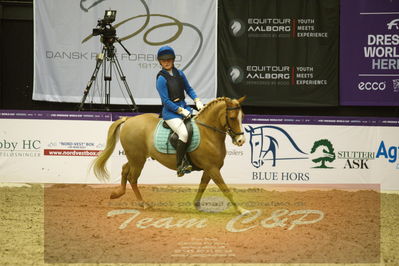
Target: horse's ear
242 99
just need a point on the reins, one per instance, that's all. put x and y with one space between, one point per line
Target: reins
229 131
211 127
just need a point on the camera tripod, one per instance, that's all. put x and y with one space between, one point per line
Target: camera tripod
108 60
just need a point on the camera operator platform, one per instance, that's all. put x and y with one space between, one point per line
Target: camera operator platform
108 59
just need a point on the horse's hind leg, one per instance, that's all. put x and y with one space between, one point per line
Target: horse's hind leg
202 186
122 189
134 174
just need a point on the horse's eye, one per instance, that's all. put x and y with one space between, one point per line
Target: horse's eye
233 118
257 143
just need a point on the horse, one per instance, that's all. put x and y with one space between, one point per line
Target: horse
220 117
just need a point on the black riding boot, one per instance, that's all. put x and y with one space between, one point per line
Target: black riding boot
183 166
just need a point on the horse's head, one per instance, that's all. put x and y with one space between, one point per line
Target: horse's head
256 143
234 117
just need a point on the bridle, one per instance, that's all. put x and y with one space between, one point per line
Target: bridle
229 130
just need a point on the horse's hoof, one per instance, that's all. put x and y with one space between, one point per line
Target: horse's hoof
197 205
145 205
116 194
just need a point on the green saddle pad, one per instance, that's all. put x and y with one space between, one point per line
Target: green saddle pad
162 144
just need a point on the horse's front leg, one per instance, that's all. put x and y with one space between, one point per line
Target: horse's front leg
202 186
218 179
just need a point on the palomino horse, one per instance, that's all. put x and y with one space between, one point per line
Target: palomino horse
219 117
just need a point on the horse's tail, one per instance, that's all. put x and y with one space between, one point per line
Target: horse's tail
98 165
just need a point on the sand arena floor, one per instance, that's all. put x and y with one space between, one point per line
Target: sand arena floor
64 224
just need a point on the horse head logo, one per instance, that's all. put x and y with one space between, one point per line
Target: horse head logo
236 28
236 74
263 144
393 24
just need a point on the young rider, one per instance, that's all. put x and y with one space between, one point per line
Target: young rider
172 85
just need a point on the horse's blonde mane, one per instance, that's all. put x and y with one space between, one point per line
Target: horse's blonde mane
211 103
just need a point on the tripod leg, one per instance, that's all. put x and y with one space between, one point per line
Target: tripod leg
107 79
99 62
123 78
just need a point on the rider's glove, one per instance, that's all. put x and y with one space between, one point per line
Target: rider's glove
198 104
185 113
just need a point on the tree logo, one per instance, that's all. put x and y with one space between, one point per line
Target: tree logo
322 152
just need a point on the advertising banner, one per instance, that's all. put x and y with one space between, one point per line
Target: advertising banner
369 53
279 52
65 51
59 147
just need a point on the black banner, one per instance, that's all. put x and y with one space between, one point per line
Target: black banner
279 52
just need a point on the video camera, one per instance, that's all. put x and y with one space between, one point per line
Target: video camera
105 29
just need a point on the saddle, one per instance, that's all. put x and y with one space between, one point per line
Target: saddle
165 139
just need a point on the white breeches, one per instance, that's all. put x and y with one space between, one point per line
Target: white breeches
178 126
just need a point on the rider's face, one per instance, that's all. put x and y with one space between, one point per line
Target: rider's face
167 64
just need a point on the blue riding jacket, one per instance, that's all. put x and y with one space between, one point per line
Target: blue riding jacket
169 109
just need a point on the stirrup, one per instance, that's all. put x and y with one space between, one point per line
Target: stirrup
184 169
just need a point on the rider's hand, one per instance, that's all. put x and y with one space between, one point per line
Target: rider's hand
184 112
198 104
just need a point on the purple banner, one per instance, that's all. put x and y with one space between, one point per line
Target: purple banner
322 120
55 115
369 66
248 119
